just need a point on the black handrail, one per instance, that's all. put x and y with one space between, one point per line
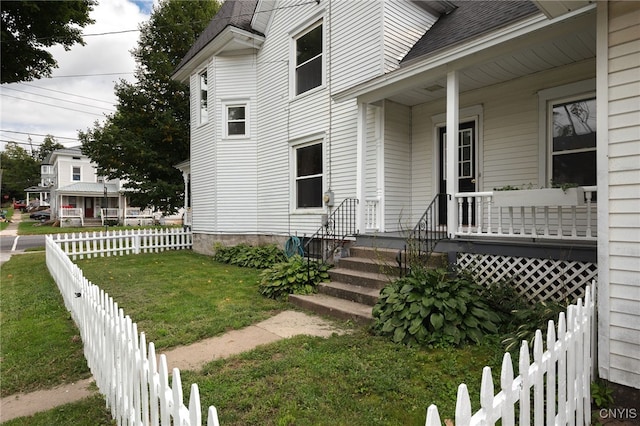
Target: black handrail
337 226
422 240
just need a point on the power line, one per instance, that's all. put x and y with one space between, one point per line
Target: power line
37 134
91 75
55 106
66 93
58 99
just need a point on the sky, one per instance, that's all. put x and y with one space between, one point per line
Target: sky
81 89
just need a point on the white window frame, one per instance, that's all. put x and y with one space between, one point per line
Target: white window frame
294 146
73 173
546 99
225 119
296 34
203 118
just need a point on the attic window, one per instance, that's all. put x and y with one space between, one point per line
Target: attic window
309 60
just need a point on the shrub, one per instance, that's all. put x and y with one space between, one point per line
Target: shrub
291 277
429 308
258 257
527 320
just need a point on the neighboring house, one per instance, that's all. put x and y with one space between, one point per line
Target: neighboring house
297 106
78 194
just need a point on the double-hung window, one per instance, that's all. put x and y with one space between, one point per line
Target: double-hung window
308 176
76 175
236 118
203 98
573 141
309 59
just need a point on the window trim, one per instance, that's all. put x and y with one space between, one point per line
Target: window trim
79 173
574 91
296 34
294 146
199 97
230 103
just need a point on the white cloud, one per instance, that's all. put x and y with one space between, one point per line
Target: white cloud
102 54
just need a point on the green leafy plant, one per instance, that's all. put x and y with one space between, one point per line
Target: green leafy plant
431 308
292 277
525 321
258 257
601 394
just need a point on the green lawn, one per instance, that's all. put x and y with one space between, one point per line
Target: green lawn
180 297
33 227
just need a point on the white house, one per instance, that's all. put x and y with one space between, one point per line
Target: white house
78 194
417 113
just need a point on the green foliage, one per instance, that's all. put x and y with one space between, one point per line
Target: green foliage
258 257
504 300
149 133
19 170
292 277
430 308
528 319
601 394
29 26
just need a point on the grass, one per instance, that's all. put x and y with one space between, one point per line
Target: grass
90 411
33 227
40 343
9 210
180 297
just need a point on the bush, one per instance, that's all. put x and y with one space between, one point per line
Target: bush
429 308
292 277
257 257
527 320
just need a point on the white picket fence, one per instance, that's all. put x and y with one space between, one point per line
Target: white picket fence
122 242
558 381
136 389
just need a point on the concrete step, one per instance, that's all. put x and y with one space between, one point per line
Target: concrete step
359 278
364 264
380 254
354 293
333 306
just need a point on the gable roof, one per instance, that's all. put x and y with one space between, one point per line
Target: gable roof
469 19
235 13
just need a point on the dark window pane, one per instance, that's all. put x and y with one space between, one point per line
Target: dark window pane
309 192
236 128
236 113
309 160
566 143
578 168
309 45
309 75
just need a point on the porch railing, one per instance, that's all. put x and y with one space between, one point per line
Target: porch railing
372 214
335 228
72 213
480 215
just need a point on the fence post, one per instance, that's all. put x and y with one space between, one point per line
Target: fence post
136 243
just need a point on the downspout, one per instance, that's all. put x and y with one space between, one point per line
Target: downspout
453 110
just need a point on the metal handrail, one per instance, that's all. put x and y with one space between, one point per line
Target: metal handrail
425 235
337 226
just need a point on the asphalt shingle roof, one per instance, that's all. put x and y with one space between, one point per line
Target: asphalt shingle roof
235 13
470 19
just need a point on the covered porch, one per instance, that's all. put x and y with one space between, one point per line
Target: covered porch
442 139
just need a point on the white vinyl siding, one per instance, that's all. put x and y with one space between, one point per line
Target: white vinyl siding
404 24
624 193
397 167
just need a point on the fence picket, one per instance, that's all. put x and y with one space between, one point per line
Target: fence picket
551 373
506 384
538 380
433 417
524 364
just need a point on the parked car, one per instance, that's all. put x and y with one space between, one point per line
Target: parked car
41 215
19 205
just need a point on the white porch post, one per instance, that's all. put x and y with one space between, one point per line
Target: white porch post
361 156
452 149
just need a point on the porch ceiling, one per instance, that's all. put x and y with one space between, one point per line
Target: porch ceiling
564 43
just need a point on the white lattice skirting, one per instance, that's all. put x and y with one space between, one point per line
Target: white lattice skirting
536 279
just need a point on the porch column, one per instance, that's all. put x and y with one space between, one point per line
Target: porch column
361 156
453 93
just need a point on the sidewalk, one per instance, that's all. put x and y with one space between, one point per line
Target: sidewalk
10 231
192 357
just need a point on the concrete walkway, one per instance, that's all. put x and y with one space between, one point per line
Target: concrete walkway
9 231
191 357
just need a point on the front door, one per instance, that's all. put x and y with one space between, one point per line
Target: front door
466 168
88 207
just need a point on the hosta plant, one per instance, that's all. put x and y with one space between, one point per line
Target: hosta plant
295 276
432 308
257 257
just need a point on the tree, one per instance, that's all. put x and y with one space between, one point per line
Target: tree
48 145
149 132
19 171
29 26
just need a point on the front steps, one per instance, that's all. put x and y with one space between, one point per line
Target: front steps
355 285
